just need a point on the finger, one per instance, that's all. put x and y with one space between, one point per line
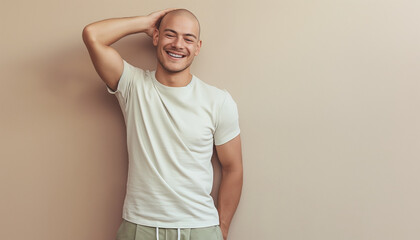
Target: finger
169 9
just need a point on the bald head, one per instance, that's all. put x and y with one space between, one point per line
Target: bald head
178 12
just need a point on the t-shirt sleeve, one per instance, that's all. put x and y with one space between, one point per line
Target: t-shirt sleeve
125 82
227 126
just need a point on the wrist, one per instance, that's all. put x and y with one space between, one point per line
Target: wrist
141 24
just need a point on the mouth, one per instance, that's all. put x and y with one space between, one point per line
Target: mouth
175 56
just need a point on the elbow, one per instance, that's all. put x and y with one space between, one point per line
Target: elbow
87 34
235 169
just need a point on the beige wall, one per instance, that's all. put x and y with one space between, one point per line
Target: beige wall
328 97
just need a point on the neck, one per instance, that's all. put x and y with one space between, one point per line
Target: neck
170 79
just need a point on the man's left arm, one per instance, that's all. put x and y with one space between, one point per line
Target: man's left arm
230 157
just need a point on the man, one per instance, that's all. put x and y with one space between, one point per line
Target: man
173 119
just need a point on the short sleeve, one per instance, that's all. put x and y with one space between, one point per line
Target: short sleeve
125 81
227 126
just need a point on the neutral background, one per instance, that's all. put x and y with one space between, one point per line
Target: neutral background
328 97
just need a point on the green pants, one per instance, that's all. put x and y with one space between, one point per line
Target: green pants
133 231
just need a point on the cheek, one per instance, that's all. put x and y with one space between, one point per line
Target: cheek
193 50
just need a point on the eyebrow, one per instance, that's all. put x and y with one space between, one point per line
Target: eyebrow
186 34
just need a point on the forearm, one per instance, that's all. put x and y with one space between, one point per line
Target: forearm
111 30
229 195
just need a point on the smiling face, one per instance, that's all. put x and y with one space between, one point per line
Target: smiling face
177 42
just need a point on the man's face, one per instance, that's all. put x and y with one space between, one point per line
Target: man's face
178 34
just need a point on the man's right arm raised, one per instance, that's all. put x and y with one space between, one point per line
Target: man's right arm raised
98 37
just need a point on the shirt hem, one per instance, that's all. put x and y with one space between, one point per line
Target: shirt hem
159 224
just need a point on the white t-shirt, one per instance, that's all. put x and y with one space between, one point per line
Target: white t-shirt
170 137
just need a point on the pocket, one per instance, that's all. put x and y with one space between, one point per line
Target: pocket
219 230
126 231
205 233
118 236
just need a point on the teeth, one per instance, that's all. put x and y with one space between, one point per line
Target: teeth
175 55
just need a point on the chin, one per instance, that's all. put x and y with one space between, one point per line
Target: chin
174 69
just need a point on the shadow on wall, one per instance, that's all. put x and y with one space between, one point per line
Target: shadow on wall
71 73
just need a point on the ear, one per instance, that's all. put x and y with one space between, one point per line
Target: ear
155 37
198 48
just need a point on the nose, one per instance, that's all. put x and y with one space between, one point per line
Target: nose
177 43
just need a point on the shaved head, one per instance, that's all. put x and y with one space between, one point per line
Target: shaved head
178 12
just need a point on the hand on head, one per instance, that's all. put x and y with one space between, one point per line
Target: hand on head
154 18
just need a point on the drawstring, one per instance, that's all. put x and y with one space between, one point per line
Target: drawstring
157 233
